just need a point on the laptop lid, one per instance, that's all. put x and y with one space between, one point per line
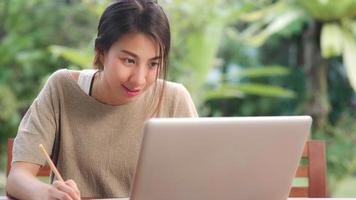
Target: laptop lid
219 158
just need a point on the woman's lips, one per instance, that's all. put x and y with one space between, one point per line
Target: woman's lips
131 93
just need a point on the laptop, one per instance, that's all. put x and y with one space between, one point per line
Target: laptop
248 158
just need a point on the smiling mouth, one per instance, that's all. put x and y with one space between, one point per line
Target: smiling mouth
130 92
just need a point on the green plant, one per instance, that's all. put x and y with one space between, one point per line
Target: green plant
341 148
306 18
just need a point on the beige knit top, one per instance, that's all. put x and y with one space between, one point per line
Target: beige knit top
94 144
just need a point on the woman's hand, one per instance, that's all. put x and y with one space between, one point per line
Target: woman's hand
22 183
67 190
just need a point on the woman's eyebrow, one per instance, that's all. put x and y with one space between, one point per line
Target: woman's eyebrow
130 53
155 58
136 56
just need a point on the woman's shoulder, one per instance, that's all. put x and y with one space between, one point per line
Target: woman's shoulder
174 90
177 101
173 87
64 73
61 78
74 74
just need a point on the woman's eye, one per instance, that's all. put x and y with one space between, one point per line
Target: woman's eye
154 64
129 61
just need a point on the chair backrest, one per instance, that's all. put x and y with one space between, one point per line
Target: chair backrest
314 170
44 171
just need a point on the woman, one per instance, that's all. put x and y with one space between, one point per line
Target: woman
92 120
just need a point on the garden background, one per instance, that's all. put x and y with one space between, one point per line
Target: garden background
236 57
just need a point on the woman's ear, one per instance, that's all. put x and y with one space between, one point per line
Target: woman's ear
99 59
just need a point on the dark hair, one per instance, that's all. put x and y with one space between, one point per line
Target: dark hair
134 16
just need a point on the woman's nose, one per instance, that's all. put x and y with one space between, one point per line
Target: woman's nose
138 77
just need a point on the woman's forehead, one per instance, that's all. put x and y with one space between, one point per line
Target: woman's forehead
140 44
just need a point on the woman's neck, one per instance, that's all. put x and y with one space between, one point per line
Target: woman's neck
102 91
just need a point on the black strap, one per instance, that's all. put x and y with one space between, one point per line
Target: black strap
91 84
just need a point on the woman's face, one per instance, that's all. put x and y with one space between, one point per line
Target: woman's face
130 66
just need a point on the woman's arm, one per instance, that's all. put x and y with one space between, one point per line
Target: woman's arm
39 125
23 184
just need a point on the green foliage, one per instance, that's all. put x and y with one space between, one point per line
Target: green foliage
265 90
39 36
280 18
8 111
196 39
81 57
331 40
328 10
242 89
224 91
349 56
8 102
346 187
75 56
27 28
194 52
231 89
339 40
341 148
276 29
264 72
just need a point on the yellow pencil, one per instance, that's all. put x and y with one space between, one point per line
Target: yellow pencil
53 168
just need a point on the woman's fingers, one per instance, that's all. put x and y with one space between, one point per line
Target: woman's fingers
68 190
55 194
73 185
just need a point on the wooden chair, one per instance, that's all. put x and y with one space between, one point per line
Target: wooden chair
44 171
314 170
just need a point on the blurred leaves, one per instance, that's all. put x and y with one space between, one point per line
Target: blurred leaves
341 149
27 28
75 56
265 90
349 57
196 39
267 26
251 49
8 104
273 19
223 92
264 71
278 17
331 40
328 10
242 89
339 40
9 116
